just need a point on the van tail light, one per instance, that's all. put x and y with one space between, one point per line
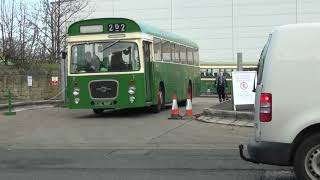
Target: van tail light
265 107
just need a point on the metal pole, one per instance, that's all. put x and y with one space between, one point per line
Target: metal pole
232 30
296 11
239 61
113 8
62 68
171 15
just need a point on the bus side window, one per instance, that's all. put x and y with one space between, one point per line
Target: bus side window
157 49
175 53
203 73
190 56
196 57
166 50
183 54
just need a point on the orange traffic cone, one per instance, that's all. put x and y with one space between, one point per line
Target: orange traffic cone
175 109
188 113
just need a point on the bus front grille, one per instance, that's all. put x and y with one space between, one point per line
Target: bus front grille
107 89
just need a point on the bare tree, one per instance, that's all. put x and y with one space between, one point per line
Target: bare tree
7 14
36 33
19 37
55 17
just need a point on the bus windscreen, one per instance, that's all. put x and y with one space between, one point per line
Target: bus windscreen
104 57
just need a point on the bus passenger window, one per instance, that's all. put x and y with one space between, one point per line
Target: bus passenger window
183 54
215 72
203 72
196 57
190 56
157 49
175 53
166 50
228 73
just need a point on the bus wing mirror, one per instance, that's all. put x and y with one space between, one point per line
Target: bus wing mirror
64 55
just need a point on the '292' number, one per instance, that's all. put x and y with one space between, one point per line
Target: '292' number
116 27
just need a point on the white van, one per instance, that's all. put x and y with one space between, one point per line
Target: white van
287 107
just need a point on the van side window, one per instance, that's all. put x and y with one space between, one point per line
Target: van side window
262 61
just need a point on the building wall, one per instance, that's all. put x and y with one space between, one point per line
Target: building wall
220 27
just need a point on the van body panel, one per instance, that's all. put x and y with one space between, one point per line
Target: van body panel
291 73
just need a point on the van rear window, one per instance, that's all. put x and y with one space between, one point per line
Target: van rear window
262 60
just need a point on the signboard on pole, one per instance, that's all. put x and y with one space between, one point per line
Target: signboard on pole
29 78
243 82
55 80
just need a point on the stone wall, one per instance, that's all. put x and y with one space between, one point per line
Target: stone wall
16 81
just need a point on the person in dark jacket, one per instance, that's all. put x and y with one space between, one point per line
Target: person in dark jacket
221 85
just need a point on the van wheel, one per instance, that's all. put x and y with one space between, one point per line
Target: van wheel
160 101
98 111
307 159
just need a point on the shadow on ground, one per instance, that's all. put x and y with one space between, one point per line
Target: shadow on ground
122 113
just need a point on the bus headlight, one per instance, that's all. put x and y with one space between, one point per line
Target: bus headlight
76 100
76 92
131 90
131 99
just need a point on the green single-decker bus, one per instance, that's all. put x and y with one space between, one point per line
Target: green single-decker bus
116 63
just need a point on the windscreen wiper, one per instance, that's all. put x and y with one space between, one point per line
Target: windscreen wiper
115 42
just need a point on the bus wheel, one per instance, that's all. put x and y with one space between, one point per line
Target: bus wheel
307 159
98 111
160 101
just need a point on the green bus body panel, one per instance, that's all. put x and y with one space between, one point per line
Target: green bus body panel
122 100
174 76
176 79
131 26
209 84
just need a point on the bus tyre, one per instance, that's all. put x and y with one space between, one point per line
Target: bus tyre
307 159
160 101
98 111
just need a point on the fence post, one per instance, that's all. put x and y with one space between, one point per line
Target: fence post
10 112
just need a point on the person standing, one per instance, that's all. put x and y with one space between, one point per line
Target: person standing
221 85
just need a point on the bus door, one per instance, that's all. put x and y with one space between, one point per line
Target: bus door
147 69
